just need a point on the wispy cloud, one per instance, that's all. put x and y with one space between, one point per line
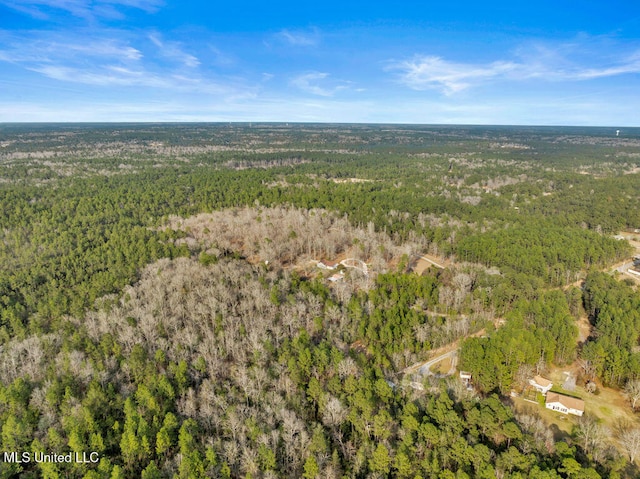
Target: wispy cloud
108 75
311 83
632 65
422 73
113 75
545 64
115 62
173 51
108 48
305 38
47 47
87 9
221 58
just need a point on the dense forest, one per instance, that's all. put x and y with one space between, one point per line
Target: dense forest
162 304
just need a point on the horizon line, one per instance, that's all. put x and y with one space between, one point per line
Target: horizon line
284 122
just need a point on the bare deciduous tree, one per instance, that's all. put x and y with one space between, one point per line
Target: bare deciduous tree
592 434
524 373
347 367
588 369
630 441
334 413
632 391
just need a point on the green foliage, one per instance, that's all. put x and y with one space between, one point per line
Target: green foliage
211 367
394 318
539 330
543 250
614 309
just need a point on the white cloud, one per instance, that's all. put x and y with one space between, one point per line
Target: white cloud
221 58
424 73
104 49
631 66
114 62
146 5
303 38
311 83
107 76
87 9
433 72
50 47
119 76
173 51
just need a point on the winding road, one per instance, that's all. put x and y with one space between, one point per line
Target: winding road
424 368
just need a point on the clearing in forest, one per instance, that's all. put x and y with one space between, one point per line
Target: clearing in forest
292 238
419 264
608 405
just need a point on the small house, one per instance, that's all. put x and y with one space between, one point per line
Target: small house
465 377
330 265
564 404
336 277
541 384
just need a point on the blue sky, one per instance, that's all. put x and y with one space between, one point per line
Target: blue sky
537 63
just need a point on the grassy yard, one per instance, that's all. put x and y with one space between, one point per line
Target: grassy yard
560 424
442 367
608 405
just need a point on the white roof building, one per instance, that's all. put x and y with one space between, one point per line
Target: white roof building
565 404
541 384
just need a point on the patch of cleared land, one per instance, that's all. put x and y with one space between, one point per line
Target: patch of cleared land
443 367
351 180
609 405
421 264
584 328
